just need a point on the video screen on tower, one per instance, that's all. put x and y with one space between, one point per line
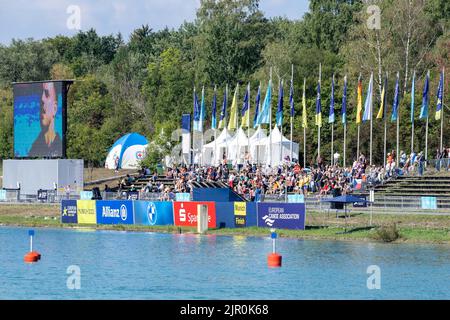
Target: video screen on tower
39 119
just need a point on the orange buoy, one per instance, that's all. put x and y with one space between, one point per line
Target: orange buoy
32 257
274 260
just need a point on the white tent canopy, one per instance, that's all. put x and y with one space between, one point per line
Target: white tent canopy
210 156
259 148
238 146
280 148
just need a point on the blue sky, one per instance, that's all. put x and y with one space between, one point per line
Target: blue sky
39 19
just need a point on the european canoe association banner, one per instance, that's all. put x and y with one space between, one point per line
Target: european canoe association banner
282 215
153 213
115 212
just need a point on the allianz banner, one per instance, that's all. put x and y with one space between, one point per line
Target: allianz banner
115 212
185 214
153 213
86 212
69 211
282 215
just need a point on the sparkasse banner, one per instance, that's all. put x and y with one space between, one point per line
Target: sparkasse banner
185 214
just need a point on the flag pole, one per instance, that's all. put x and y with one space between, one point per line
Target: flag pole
225 121
345 142
292 117
412 113
332 137
359 124
371 123
281 131
398 126
270 123
236 124
215 128
318 127
442 110
426 128
202 115
385 120
304 127
248 127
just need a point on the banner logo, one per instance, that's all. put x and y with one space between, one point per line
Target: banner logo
268 221
152 213
123 212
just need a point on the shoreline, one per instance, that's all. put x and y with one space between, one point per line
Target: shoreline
365 234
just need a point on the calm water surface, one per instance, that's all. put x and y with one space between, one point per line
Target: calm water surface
125 265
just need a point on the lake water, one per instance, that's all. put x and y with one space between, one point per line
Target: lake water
125 265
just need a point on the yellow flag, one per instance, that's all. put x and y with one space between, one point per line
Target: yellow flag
381 112
232 125
359 106
304 115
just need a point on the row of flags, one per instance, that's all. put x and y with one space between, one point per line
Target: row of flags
263 111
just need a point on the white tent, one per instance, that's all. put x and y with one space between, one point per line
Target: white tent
238 146
257 150
212 152
276 155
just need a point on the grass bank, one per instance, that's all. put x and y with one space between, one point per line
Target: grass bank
411 228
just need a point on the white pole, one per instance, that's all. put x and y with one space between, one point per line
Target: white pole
332 138
357 148
385 122
426 140
318 127
345 142
398 126
292 122
442 109
248 127
304 147
371 122
31 243
281 135
270 123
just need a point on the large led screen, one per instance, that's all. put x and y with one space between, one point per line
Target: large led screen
39 119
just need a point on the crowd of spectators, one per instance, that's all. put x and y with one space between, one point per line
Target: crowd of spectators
253 181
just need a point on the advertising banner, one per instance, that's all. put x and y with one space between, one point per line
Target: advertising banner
429 203
153 213
86 212
185 214
183 197
281 215
240 214
225 215
115 212
86 195
296 198
69 211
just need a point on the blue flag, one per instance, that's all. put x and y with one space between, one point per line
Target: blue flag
413 92
264 115
396 100
257 107
344 103
425 99
291 99
214 110
318 107
440 97
280 105
332 117
196 113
